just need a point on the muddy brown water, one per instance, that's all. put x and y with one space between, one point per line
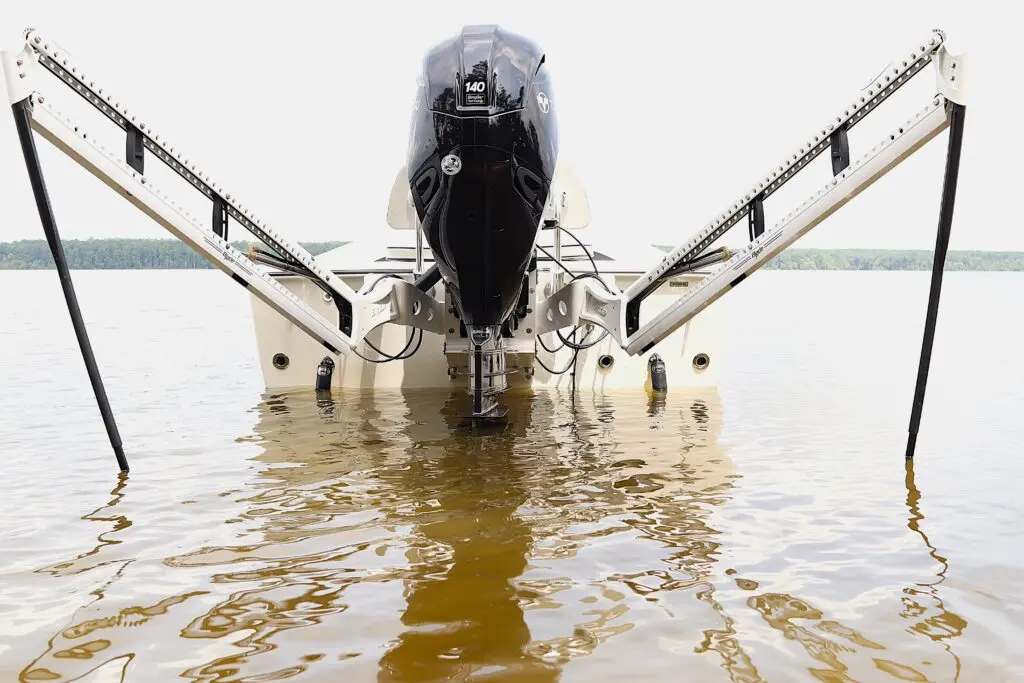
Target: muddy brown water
767 530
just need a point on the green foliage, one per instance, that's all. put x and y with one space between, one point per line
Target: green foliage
886 259
890 259
118 254
103 254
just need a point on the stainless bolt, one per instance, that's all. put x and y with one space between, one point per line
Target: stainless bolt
529 331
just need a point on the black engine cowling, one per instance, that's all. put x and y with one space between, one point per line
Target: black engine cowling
481 157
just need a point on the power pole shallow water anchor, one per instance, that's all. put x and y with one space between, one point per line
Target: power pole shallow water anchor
956 136
23 122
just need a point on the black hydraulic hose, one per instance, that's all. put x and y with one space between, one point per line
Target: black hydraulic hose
269 259
564 370
581 346
401 355
430 277
540 338
575 276
582 246
595 276
705 259
575 354
556 261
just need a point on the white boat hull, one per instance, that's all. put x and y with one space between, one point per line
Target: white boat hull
682 352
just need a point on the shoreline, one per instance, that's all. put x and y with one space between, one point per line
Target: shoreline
164 254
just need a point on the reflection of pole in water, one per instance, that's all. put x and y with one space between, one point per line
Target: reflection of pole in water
799 621
945 625
81 648
88 560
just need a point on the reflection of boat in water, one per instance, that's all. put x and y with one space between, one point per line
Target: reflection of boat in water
421 419
384 536
528 546
486 511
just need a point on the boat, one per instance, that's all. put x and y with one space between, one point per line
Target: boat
289 358
483 276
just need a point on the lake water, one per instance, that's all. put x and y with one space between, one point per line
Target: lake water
767 531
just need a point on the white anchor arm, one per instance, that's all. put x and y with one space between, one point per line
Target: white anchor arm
586 301
26 74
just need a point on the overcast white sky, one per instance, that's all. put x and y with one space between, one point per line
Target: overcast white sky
667 111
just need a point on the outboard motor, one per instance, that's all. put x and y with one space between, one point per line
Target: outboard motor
481 158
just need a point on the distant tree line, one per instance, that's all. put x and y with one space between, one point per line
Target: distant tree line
107 254
888 259
119 254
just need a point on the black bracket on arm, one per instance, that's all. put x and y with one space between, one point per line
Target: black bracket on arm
220 217
134 152
840 140
755 217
